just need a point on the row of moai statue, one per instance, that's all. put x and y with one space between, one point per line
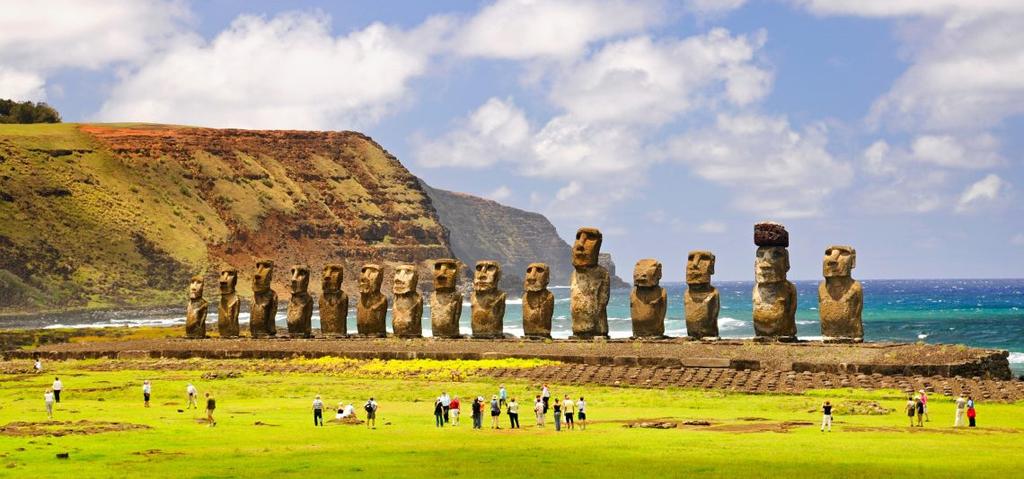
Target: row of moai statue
774 297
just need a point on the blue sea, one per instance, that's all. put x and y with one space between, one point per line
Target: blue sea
975 312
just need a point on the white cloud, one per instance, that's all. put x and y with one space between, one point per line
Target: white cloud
569 191
525 29
38 38
949 151
712 227
500 193
21 86
568 148
646 81
1018 239
287 71
711 8
895 8
496 131
774 170
984 191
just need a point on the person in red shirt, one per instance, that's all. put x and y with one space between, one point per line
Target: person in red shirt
454 408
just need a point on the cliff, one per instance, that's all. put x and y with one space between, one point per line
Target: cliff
96 216
484 229
605 259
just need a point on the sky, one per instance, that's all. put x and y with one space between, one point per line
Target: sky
894 126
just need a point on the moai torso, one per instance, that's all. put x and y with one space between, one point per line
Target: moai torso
648 301
588 287
446 300
774 297
195 313
701 301
538 302
264 302
372 308
487 301
840 297
407 311
333 302
300 306
229 305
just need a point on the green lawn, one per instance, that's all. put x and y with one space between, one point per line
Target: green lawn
406 443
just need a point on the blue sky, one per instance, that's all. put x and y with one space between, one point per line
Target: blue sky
894 126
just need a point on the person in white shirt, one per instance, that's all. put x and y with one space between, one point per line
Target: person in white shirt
446 404
318 411
961 407
146 391
545 395
538 409
371 413
581 413
57 386
193 396
345 411
567 412
48 400
38 365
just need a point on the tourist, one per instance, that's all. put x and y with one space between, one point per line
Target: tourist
495 412
146 390
38 366
567 408
826 416
48 400
961 406
454 406
371 413
340 414
513 414
438 413
971 413
502 396
345 412
924 403
477 410
446 404
545 395
193 396
558 415
919 405
57 386
211 404
581 413
538 409
318 411
911 409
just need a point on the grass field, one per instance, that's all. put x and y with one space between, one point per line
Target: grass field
406 443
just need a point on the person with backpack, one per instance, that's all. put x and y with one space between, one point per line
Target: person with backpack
438 413
557 408
911 408
920 411
538 410
371 413
513 414
495 412
826 416
477 409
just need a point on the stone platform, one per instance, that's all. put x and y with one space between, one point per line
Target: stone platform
884 359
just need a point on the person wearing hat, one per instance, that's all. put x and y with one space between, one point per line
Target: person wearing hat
318 411
495 412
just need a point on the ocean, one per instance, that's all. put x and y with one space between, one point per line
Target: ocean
975 312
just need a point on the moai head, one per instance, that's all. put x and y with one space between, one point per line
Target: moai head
264 274
370 278
406 279
537 277
334 275
587 247
486 276
195 287
839 261
446 274
771 264
647 273
300 279
228 280
700 265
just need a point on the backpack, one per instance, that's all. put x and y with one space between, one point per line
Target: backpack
368 407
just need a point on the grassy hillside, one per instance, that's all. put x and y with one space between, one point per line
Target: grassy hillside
95 216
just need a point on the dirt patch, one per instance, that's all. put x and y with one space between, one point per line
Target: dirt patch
261 423
156 452
221 375
751 419
857 408
759 427
652 425
65 428
932 430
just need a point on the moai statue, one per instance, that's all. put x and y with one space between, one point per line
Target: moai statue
407 311
195 314
487 301
701 301
446 302
372 309
840 297
230 305
648 301
264 302
333 302
538 302
300 306
774 296
588 288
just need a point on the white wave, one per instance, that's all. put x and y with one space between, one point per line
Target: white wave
514 301
1016 358
806 322
558 287
563 300
922 336
731 323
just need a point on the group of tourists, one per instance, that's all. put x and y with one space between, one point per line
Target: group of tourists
345 412
917 406
52 397
447 410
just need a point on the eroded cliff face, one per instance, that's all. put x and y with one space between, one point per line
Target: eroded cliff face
122 215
